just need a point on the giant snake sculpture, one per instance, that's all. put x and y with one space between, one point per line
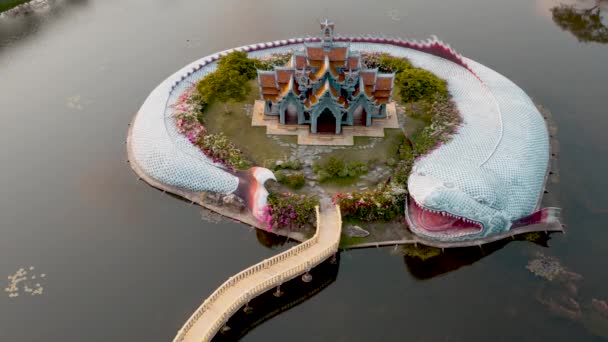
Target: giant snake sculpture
486 182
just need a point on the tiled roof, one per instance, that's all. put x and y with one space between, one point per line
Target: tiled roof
269 90
338 54
315 53
384 82
283 75
267 80
368 76
300 62
278 83
270 97
382 93
353 62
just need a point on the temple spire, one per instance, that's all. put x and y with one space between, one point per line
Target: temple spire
327 33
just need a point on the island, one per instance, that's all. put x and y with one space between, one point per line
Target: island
344 142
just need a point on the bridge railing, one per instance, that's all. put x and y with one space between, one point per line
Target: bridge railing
264 286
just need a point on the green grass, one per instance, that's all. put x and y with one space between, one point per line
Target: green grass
236 125
5 5
383 149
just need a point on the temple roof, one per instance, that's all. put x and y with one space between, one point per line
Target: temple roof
320 62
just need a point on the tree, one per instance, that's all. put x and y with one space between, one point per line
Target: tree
419 84
229 81
240 62
585 24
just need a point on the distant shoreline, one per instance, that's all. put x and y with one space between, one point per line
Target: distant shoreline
7 5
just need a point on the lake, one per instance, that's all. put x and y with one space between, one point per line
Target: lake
125 262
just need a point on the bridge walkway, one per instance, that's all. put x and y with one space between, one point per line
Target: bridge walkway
239 289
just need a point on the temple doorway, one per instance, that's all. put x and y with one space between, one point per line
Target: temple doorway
360 116
326 123
291 114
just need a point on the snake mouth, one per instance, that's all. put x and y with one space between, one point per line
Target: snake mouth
435 223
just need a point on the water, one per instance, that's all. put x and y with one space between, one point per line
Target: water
124 262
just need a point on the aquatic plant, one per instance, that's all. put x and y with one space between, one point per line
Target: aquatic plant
546 267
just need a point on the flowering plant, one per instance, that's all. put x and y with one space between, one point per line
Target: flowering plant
221 150
289 210
187 115
444 121
383 203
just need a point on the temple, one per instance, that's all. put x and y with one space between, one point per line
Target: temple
326 86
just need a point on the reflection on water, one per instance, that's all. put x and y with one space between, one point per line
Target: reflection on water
71 79
17 26
271 303
559 293
425 262
583 20
270 240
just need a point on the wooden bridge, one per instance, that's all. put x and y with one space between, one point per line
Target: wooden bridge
239 289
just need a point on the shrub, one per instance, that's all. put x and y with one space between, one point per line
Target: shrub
402 171
383 203
229 81
239 62
336 167
293 180
323 176
223 85
418 84
280 176
291 211
388 63
445 118
405 152
288 165
220 149
275 59
385 62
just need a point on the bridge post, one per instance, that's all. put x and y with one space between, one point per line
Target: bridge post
278 293
225 328
307 277
247 309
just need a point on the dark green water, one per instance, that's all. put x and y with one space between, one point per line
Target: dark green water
125 262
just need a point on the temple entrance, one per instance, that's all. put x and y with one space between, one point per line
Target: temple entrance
291 114
360 116
326 123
